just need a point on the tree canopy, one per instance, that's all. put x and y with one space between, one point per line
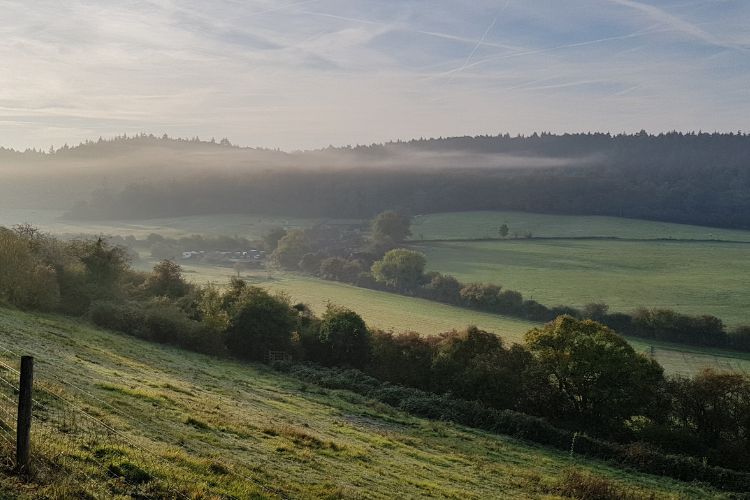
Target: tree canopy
400 268
599 375
391 226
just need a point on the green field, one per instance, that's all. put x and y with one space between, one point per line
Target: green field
381 309
398 313
477 225
689 276
243 225
695 277
210 428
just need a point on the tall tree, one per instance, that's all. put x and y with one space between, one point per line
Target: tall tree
602 379
391 226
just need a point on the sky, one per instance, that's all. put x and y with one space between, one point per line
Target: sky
299 74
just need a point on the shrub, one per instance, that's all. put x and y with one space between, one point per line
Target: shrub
167 324
122 317
405 358
480 295
344 338
475 365
665 324
340 269
310 262
739 338
531 309
401 269
443 288
259 323
509 301
290 249
581 485
166 280
391 226
25 280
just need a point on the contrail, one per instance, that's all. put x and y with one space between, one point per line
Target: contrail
565 46
480 42
627 90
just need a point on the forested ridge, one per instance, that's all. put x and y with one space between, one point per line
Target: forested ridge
688 178
696 178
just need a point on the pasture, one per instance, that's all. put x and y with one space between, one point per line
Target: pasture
252 227
690 277
398 313
383 310
482 225
208 428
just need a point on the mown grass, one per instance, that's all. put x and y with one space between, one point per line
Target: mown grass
230 430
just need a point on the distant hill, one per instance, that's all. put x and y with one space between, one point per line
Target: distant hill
695 178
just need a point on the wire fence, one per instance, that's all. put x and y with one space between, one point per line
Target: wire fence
73 449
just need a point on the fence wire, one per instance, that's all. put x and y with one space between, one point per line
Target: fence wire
70 447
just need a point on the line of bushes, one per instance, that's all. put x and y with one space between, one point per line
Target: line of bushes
157 321
402 271
378 263
474 414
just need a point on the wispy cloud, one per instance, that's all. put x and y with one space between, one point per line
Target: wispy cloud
678 24
306 73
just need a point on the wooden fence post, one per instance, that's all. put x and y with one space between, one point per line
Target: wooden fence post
23 427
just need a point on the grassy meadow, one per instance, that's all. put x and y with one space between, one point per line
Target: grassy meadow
398 313
690 277
381 309
478 225
243 225
210 428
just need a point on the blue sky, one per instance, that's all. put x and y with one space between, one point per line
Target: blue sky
308 73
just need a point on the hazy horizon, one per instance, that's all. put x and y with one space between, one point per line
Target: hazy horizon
306 74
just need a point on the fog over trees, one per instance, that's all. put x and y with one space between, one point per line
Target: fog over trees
695 178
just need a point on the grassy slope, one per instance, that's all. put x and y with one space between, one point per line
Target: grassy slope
263 430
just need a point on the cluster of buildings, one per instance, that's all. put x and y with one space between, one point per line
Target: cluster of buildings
250 257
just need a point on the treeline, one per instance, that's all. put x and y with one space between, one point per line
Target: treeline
376 264
576 375
695 178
